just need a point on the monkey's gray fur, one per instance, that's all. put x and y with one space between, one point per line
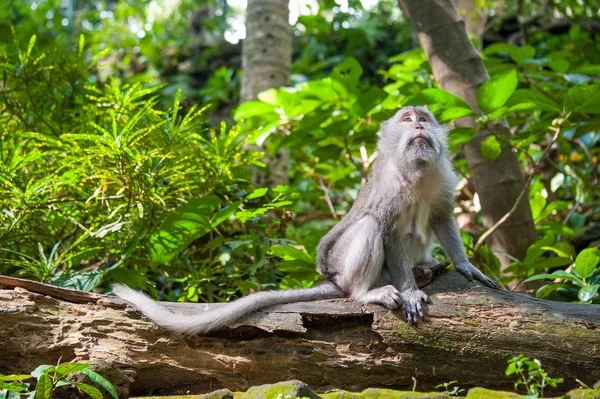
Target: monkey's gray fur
369 255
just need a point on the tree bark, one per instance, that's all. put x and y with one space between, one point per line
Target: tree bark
470 333
266 64
459 69
474 17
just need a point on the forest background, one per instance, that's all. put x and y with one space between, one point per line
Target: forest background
125 155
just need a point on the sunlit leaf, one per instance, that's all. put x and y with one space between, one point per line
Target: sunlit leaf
496 91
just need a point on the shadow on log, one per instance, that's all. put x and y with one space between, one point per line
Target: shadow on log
470 333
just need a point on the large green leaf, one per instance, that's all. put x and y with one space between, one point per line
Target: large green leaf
436 96
348 73
90 390
491 148
368 100
69 368
520 54
43 388
528 99
103 382
586 262
583 98
253 108
496 91
182 226
461 135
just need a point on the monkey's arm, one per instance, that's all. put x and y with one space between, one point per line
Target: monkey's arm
448 235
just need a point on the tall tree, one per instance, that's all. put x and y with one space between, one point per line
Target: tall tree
266 63
458 69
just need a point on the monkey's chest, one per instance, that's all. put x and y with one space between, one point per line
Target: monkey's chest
412 225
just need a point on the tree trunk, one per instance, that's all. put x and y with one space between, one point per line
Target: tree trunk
459 69
266 64
470 333
474 17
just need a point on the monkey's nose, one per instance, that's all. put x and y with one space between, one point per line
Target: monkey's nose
419 127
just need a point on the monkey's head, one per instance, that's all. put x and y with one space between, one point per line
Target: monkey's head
413 136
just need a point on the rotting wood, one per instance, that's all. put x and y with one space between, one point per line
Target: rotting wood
470 333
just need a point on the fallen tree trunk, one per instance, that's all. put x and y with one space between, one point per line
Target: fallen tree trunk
470 333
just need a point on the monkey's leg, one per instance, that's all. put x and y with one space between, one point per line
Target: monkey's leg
400 265
359 256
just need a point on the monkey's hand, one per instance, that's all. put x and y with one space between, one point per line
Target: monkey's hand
414 303
471 272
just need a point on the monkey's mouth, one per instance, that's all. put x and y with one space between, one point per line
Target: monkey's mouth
425 139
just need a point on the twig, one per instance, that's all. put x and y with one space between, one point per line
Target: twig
327 199
504 218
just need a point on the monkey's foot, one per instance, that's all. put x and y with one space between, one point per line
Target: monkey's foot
387 296
414 304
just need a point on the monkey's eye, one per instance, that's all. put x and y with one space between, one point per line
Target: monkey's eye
407 119
421 119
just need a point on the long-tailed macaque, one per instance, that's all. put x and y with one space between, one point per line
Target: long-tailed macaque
369 255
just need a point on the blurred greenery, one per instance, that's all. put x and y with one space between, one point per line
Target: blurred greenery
123 157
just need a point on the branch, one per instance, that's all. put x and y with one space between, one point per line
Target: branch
504 218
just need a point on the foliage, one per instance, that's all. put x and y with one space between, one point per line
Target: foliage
531 375
49 378
580 281
97 183
124 179
455 391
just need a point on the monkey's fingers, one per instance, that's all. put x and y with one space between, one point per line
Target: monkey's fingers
488 282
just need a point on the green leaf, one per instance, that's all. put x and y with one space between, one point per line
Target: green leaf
559 66
491 148
435 96
348 73
454 113
253 108
39 370
557 274
593 70
224 214
496 91
15 377
562 249
368 100
497 48
43 388
30 45
181 227
461 135
547 289
90 390
586 262
257 193
80 45
520 54
528 99
290 253
584 99
69 368
537 203
586 294
103 382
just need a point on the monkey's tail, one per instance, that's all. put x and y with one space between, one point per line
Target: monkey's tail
214 319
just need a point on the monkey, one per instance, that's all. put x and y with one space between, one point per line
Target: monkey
369 255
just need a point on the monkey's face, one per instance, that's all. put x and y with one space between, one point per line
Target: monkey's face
415 135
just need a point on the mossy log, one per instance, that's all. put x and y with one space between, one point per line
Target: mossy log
336 344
